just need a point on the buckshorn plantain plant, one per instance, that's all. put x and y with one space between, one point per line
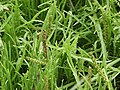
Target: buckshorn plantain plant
59 45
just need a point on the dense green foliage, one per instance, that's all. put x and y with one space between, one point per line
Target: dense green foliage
59 45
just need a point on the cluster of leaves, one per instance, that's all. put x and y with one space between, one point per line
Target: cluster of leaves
59 45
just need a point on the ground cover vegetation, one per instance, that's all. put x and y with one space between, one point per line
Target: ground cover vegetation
59 45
